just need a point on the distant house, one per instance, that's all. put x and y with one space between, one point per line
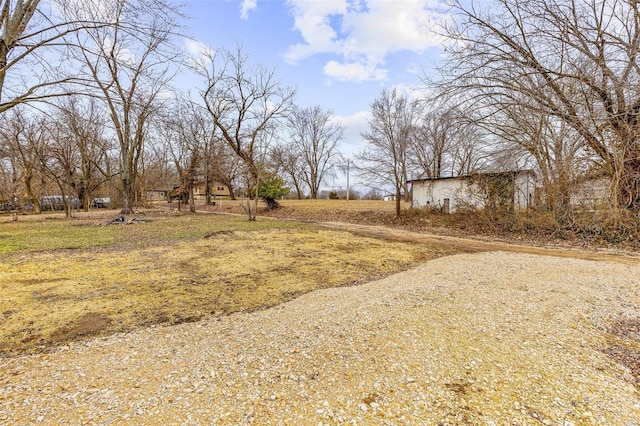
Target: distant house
512 190
217 190
389 197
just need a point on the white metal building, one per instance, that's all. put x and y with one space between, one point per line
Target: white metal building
513 190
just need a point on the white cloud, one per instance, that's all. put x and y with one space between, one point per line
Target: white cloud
247 6
197 50
122 53
362 33
354 71
353 125
312 19
412 92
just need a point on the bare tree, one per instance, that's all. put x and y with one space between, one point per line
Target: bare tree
430 147
186 132
58 159
391 129
33 50
128 66
288 162
315 138
246 103
83 123
575 61
556 150
20 159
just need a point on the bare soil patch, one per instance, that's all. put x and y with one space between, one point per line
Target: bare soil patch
89 324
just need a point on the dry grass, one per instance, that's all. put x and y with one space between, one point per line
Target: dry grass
373 212
63 279
344 205
618 230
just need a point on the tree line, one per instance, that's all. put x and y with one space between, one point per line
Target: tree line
87 103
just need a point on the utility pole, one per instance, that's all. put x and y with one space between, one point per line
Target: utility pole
348 179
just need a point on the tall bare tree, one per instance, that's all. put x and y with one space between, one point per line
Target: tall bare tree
315 138
83 123
552 147
59 160
186 132
392 127
128 65
576 61
20 160
246 104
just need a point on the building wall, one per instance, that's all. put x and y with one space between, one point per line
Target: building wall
435 193
217 190
525 185
156 195
461 192
592 194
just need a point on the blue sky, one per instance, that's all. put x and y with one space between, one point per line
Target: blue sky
339 54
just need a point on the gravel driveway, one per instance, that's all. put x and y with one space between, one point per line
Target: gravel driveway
490 338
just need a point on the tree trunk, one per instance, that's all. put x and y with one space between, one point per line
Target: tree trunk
207 190
29 190
628 183
4 51
127 196
232 193
272 204
192 201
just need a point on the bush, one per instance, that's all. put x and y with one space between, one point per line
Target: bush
613 226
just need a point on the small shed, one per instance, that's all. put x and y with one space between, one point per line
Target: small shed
512 190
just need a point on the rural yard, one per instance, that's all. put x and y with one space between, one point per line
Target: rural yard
207 319
323 213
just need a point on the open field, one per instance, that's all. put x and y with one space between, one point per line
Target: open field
323 210
66 279
498 334
599 229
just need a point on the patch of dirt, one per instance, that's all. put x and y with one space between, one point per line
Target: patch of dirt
217 234
628 357
89 324
451 244
627 351
628 328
